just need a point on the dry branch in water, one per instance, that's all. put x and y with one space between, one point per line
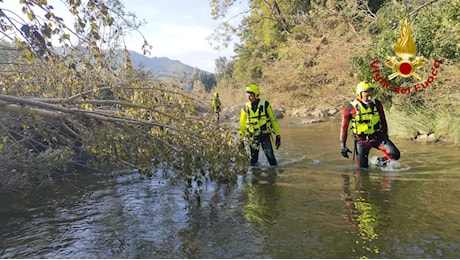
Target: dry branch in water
84 104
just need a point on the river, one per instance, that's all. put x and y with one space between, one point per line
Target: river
315 204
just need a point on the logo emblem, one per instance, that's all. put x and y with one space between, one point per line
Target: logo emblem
405 49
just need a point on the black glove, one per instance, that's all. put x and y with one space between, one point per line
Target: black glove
278 142
344 150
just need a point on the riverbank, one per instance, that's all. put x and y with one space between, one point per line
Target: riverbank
422 129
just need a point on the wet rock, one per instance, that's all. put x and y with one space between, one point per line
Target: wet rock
319 113
429 138
306 121
302 112
332 111
279 113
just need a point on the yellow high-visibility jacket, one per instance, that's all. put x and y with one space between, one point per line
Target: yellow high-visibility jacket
366 121
258 122
216 104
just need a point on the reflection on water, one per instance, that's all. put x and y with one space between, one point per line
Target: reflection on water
262 206
315 204
366 203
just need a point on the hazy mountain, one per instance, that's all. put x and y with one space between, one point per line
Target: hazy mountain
167 69
160 66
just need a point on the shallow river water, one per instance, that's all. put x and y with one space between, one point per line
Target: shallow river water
315 204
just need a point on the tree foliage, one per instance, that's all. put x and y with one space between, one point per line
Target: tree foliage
306 48
435 29
81 106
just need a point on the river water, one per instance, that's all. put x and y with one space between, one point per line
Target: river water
315 204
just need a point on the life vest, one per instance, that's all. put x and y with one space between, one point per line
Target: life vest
216 103
366 121
257 121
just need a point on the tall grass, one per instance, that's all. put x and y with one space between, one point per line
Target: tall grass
413 120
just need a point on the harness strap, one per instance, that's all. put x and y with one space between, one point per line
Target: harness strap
260 110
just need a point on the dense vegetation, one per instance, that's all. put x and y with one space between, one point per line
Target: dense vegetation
82 107
311 54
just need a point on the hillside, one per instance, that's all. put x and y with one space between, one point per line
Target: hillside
160 66
309 65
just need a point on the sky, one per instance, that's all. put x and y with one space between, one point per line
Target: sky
176 29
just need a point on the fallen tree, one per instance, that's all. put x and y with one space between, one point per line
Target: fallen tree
86 106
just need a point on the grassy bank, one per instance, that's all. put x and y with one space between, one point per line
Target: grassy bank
425 123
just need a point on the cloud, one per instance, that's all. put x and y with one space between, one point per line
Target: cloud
177 29
187 44
173 39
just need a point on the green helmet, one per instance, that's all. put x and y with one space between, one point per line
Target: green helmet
253 89
216 94
361 87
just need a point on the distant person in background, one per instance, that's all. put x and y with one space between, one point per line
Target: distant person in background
257 125
216 105
369 128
